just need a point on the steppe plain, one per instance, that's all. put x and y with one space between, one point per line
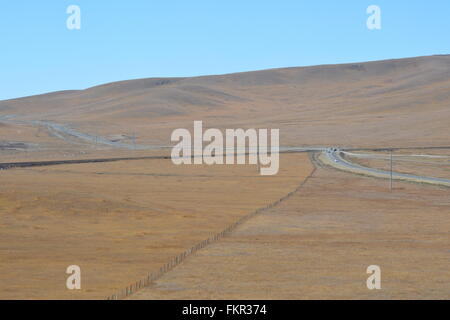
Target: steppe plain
122 220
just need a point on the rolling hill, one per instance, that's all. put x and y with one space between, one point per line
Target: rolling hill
402 102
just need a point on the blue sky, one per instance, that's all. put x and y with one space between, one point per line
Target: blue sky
130 39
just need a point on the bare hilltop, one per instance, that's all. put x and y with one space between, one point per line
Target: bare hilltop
387 103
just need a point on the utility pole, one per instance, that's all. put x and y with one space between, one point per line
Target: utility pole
391 170
259 166
257 160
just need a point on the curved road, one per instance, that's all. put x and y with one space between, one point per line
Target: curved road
334 159
328 156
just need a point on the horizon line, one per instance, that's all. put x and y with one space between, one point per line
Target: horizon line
218 74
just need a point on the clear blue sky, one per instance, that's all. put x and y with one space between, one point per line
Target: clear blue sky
122 40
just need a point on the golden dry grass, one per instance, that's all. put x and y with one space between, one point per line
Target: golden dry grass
119 221
383 103
319 242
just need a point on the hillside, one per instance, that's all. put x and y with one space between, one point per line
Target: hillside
402 102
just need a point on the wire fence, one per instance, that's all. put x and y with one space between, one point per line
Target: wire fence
151 277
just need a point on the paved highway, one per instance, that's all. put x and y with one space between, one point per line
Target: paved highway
333 158
329 156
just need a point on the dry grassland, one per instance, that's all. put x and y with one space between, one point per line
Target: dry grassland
319 242
119 221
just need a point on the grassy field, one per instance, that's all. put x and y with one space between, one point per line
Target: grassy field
319 243
119 221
